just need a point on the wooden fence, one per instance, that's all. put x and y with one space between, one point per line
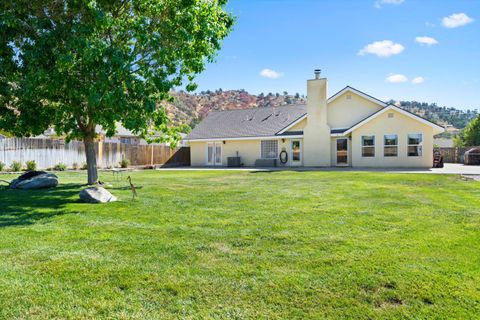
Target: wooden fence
47 153
454 154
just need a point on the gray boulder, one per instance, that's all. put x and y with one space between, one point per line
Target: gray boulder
35 180
96 195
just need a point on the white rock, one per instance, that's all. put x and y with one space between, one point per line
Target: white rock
96 195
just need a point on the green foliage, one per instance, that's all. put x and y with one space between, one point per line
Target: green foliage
470 136
31 165
124 163
16 166
73 65
84 166
2 166
60 167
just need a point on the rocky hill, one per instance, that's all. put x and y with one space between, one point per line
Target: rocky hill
192 108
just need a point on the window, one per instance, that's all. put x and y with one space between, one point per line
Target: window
390 145
414 146
126 140
269 149
368 146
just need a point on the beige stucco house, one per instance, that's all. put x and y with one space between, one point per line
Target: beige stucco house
350 128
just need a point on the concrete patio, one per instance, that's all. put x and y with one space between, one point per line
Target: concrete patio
449 168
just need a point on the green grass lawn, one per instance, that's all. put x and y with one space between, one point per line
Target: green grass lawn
237 245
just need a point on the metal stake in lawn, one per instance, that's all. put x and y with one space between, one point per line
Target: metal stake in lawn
132 187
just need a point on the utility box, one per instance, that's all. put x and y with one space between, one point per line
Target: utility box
233 162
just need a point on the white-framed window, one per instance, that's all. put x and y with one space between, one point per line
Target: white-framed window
368 146
414 145
390 145
269 149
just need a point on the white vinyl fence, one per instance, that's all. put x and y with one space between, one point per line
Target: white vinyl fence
47 153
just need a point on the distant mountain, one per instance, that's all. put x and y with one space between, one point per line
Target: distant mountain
445 116
192 108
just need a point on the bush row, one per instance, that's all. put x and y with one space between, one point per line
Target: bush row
31 165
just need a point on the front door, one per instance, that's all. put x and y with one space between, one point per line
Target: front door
342 152
296 153
214 153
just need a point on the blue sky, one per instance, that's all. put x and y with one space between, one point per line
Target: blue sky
371 45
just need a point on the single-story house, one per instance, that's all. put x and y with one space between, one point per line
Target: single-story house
351 128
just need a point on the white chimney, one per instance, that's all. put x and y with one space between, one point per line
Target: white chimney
317 132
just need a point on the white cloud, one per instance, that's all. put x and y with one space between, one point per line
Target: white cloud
429 41
385 48
418 80
396 78
271 74
379 3
456 20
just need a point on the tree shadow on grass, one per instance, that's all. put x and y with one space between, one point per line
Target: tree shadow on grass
25 207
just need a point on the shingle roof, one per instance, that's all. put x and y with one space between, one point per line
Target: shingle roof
256 122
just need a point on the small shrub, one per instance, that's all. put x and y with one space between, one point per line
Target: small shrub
2 166
84 166
60 167
16 166
75 166
31 165
124 163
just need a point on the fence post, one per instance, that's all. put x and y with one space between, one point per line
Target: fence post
100 153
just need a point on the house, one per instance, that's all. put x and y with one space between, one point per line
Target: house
351 128
125 136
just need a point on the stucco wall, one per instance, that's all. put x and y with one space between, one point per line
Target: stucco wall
400 125
316 133
344 113
198 154
299 126
248 150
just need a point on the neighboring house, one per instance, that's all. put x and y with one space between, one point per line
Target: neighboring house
443 143
350 128
125 136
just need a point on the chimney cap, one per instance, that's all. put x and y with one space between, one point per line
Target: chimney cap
317 73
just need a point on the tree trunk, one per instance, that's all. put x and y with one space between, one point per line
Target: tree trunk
91 160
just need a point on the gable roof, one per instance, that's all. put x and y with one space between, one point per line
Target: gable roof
395 108
243 123
357 92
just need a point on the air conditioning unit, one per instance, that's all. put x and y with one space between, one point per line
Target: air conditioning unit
233 162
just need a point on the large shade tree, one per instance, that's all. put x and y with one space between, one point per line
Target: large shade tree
78 64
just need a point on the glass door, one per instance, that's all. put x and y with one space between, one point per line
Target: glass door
342 152
214 153
210 152
296 154
218 153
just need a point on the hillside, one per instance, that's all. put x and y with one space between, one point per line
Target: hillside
191 108
445 116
